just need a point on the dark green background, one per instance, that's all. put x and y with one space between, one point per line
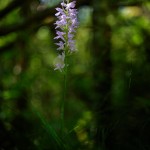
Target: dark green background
108 84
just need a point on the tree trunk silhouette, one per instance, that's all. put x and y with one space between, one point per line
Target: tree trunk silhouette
102 71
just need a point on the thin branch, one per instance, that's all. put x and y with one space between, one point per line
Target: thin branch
11 6
33 22
27 23
36 18
10 45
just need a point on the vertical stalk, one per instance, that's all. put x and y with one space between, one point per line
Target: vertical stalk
64 98
65 81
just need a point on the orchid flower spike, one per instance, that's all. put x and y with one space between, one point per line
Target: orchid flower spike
66 25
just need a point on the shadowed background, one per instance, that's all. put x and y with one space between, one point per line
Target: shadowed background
108 90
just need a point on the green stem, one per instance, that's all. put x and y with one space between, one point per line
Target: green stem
64 98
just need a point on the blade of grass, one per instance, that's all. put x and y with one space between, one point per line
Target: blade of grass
51 131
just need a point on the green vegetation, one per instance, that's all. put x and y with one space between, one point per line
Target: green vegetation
107 104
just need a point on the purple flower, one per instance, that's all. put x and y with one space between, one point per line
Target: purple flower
60 35
66 25
59 65
70 5
60 11
61 45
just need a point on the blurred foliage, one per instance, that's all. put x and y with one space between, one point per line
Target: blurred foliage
108 104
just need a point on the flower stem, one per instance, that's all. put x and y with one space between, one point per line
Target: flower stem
64 98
